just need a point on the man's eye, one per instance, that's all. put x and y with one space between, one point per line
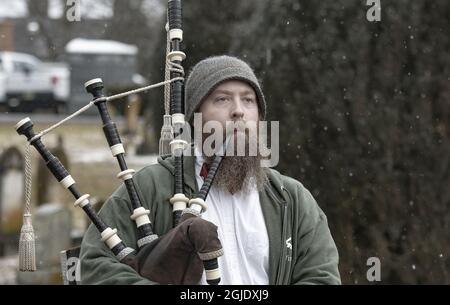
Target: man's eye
221 99
249 100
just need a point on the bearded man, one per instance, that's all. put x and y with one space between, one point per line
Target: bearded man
271 229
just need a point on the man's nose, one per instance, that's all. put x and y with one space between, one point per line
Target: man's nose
237 111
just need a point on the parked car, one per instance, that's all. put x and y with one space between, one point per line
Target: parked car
26 83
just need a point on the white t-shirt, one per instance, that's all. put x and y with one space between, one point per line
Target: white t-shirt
242 232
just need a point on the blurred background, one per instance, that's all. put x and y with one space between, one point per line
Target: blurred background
363 107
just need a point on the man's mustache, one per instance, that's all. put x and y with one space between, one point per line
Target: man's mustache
242 126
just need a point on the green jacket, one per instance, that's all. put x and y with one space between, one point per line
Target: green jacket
301 248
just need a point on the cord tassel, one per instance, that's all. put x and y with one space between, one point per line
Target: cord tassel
27 249
27 253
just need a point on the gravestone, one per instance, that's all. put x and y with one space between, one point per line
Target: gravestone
11 199
52 225
70 266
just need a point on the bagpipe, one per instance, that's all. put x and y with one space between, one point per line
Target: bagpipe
192 246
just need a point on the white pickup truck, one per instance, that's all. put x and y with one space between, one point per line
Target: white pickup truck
26 83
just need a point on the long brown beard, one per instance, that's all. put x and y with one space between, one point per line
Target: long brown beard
240 174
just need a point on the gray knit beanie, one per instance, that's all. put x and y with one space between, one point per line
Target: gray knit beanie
209 73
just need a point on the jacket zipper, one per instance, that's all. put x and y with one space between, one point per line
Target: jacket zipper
283 246
282 262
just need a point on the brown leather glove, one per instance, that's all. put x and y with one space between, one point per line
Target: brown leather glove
177 257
